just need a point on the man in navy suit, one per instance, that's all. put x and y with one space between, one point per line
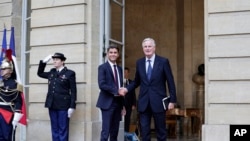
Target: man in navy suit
109 101
152 73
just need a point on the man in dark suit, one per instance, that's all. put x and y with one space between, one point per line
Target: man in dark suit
109 101
61 96
152 73
130 100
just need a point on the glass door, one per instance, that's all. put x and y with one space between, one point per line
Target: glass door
113 27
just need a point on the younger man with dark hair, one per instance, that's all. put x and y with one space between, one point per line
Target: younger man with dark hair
109 101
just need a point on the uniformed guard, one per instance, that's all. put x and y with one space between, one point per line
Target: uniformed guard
61 96
10 101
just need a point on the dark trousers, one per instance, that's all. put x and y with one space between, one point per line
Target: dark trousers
110 122
5 130
127 118
59 125
159 122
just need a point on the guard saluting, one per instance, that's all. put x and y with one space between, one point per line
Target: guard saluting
61 96
10 100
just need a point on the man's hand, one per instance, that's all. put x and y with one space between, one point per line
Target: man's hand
70 112
123 111
47 59
133 107
170 106
123 91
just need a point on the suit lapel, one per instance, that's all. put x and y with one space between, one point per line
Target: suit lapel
112 73
142 68
110 70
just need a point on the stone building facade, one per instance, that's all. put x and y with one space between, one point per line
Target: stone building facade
188 32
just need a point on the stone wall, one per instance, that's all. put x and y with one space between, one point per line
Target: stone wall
70 27
227 63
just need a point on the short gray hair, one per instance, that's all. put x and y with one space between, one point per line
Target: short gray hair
149 39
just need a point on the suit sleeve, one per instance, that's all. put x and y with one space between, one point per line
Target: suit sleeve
137 80
105 82
170 82
40 71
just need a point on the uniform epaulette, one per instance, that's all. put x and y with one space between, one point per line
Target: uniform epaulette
19 87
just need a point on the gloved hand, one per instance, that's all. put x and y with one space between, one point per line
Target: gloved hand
14 123
46 59
17 117
70 112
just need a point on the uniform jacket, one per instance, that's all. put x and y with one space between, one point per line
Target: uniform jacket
10 94
107 86
61 87
10 102
154 90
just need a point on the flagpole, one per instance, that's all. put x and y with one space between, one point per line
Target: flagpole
23 129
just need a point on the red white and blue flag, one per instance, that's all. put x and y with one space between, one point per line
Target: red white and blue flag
12 41
4 45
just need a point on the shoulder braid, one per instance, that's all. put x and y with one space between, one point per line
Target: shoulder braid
19 87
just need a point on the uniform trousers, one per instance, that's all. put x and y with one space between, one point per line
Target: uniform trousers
5 130
59 125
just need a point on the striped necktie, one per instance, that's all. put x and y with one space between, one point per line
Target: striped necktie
116 77
149 71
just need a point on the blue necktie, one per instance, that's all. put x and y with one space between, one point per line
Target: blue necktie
116 77
149 71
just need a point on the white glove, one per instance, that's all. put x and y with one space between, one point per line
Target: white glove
17 117
70 112
46 59
14 123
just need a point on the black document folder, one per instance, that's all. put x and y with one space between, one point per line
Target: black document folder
165 102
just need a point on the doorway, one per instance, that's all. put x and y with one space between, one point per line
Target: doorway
178 29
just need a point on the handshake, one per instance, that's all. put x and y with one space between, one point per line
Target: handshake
122 91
